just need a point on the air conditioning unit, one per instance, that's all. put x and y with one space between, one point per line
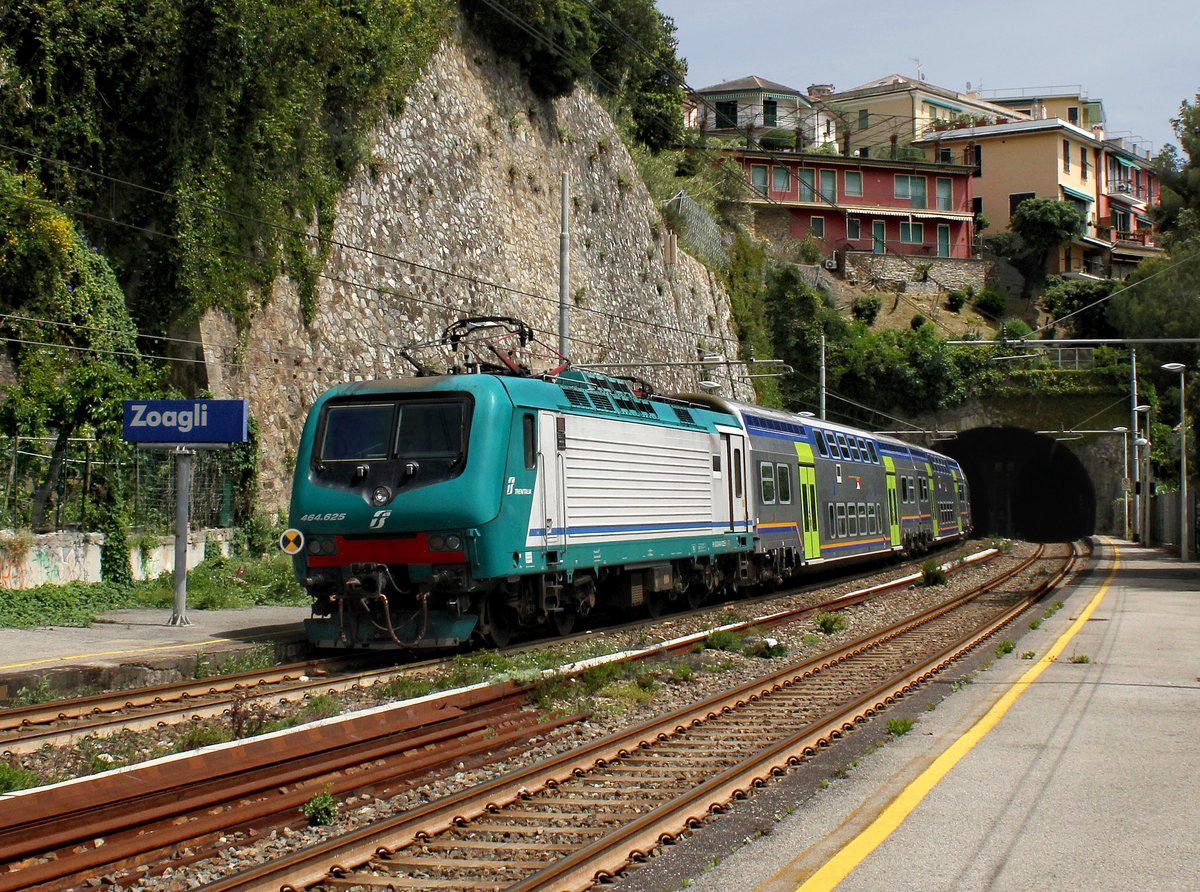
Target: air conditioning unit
831 263
1123 187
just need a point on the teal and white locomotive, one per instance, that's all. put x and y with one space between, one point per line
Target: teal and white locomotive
431 510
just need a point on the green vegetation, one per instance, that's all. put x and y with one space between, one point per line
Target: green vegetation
932 573
1080 658
830 622
13 778
322 809
1005 647
724 639
899 727
1035 624
1027 655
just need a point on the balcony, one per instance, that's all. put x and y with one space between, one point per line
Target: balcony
1125 189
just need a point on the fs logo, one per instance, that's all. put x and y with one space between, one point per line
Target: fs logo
378 519
511 488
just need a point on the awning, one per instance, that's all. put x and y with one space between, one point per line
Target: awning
924 213
1125 163
1141 218
1096 242
1074 193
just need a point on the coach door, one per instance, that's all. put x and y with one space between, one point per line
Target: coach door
809 515
933 503
734 447
889 465
552 443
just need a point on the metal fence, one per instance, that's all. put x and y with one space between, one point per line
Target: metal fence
700 232
89 470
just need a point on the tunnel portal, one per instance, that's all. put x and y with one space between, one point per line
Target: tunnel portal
1024 485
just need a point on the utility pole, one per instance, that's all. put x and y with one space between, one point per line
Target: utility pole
564 267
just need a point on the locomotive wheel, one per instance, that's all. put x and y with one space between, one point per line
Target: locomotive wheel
656 603
499 621
563 620
697 595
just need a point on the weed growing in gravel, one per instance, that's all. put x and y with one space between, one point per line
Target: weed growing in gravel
724 640
1028 655
765 648
1035 624
830 622
932 573
12 778
1081 658
322 809
402 688
1005 647
682 671
30 696
809 639
899 727
205 733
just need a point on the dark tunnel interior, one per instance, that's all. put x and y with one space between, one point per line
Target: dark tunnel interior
1024 485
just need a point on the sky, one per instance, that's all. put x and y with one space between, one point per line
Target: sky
1141 66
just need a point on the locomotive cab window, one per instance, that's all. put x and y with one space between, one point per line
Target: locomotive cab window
360 432
530 441
430 430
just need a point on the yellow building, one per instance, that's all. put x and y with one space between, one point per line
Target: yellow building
885 115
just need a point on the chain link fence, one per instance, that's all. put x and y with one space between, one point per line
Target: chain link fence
699 231
90 470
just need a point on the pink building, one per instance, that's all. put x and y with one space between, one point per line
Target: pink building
858 204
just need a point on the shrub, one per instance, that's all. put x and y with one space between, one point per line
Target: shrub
955 300
917 321
991 303
1016 328
866 308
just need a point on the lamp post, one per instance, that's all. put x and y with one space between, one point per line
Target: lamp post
1184 531
1124 432
1139 498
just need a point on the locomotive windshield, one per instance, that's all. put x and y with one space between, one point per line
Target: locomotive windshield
427 429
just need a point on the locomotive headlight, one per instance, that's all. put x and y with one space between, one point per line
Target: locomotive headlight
381 495
436 542
453 543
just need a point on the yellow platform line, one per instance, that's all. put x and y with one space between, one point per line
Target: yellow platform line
855 852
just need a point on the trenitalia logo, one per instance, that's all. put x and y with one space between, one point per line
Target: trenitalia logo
511 489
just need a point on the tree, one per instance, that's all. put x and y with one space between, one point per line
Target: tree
1081 303
1178 213
1042 224
72 340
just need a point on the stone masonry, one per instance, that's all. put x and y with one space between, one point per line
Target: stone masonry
459 214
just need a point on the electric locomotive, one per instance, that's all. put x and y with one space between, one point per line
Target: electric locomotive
431 510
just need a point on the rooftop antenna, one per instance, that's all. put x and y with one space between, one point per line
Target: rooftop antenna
917 61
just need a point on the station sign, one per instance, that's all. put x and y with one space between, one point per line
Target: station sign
189 422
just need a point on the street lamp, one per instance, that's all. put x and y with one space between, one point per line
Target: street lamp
1141 526
1124 432
1184 531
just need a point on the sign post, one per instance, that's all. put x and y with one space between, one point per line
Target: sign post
184 426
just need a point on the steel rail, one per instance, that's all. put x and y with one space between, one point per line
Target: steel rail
332 860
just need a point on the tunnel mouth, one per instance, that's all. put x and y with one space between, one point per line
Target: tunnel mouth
1024 485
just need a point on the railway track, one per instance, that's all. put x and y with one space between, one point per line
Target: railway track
579 819
65 837
29 728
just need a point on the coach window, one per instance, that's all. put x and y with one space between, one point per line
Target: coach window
903 489
737 473
766 481
832 525
851 520
874 454
872 519
862 518
819 437
841 441
530 441
841 520
854 454
924 489
912 490
862 447
783 483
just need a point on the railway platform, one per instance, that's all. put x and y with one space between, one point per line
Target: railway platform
128 648
1069 763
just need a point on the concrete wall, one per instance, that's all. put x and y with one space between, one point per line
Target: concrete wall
464 191
27 561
